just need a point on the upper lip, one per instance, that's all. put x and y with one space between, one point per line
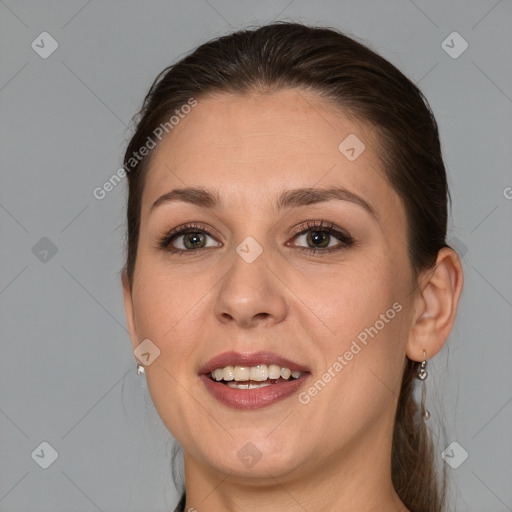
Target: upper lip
252 359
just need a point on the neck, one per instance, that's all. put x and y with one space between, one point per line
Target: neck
357 479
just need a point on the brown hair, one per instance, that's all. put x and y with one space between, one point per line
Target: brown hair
364 84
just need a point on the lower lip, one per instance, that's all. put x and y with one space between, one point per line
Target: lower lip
252 398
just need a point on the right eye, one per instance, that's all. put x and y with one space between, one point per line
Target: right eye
187 238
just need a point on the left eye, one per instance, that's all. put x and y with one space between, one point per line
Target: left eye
318 239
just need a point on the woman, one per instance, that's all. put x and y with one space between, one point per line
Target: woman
287 275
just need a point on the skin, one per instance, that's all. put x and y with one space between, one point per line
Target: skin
332 454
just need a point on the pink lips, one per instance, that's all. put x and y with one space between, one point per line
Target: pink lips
251 398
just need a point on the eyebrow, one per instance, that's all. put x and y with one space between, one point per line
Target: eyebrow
288 199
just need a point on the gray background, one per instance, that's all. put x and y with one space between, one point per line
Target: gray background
67 374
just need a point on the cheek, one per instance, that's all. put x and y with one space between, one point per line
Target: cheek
165 301
349 299
167 310
359 323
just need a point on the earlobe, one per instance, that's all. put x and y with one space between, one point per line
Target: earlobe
436 306
129 310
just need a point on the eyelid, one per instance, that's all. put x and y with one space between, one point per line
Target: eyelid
322 225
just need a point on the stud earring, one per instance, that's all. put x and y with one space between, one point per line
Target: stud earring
422 375
140 369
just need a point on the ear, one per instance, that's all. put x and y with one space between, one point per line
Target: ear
129 310
435 306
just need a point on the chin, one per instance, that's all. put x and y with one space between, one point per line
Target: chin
257 460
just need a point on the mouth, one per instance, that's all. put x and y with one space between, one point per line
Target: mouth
252 381
253 377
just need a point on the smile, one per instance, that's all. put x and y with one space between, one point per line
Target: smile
252 381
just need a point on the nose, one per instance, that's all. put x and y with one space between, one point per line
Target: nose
250 294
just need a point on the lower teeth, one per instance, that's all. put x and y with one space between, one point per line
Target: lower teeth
247 384
251 384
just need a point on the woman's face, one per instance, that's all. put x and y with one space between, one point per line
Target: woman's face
271 276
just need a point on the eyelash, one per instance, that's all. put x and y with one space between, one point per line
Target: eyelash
323 227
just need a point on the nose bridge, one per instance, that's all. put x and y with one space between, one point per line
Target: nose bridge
249 292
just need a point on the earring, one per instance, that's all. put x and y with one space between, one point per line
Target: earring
144 385
422 375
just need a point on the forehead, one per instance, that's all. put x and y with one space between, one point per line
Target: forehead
251 147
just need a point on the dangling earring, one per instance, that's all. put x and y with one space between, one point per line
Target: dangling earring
144 385
422 375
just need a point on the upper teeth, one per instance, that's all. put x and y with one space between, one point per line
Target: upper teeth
260 372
